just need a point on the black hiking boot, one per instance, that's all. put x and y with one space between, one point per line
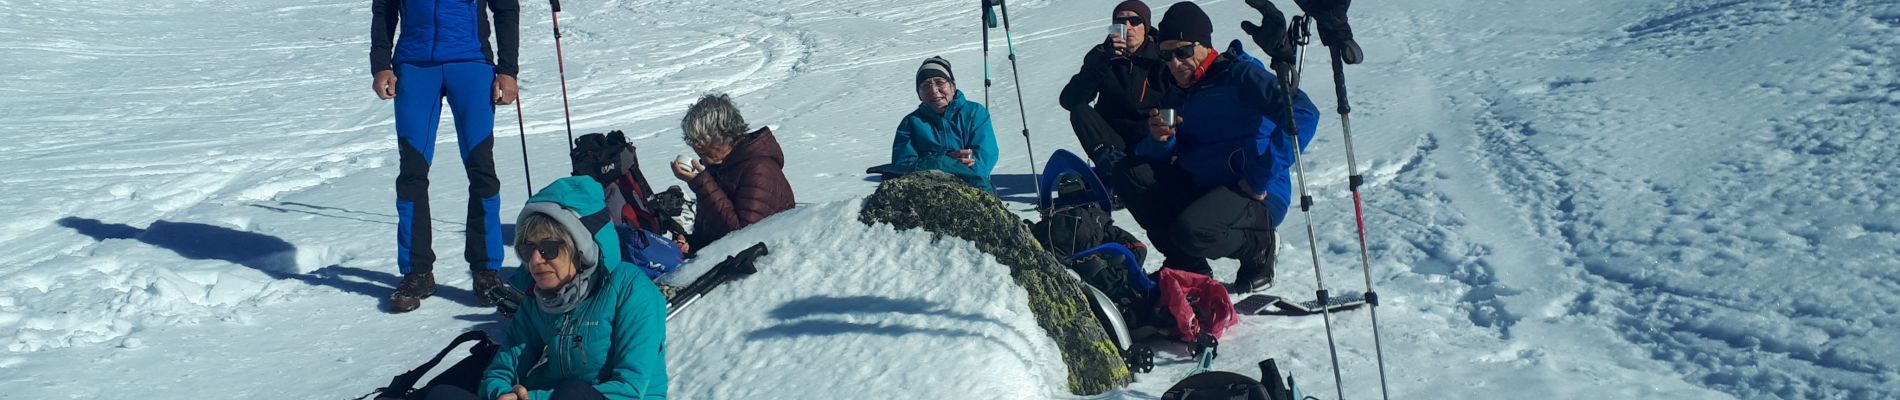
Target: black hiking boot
409 293
486 280
1256 270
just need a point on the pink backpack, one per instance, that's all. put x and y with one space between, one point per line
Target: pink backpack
1197 303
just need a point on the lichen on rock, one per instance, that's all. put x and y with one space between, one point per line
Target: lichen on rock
942 204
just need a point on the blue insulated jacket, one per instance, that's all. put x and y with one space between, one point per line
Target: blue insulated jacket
925 137
444 31
1227 133
615 339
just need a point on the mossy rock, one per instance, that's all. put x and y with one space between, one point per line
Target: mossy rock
943 204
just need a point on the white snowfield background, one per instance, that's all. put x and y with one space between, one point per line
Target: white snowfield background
1680 199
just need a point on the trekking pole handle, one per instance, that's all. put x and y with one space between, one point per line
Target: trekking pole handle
555 4
1339 78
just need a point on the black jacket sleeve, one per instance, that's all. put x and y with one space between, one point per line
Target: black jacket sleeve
1083 87
383 16
507 35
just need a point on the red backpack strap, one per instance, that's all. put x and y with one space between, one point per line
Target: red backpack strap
636 212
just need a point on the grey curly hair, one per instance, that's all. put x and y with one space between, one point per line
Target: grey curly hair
714 120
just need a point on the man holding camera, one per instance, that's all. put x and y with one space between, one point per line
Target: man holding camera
1213 181
1115 76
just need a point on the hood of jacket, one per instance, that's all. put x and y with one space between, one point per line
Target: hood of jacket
579 204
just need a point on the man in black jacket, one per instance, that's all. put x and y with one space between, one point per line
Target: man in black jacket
1116 76
442 53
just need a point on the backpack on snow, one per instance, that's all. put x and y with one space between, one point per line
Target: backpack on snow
641 217
1223 385
465 374
1077 228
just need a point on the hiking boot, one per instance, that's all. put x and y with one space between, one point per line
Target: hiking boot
409 293
1256 270
485 281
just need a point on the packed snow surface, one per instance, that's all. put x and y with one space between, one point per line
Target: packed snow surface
1565 199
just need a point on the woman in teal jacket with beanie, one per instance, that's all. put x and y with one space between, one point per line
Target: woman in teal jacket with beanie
595 328
946 133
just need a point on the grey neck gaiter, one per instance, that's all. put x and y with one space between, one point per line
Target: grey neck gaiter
569 295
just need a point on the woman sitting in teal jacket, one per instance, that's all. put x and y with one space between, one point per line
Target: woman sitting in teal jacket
946 133
595 328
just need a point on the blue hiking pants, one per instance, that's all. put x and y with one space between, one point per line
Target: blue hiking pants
420 90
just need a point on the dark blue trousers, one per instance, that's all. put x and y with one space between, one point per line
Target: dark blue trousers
420 91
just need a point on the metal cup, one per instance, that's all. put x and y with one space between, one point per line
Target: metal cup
1119 31
1167 116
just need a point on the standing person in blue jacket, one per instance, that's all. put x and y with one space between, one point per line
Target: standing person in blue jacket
591 327
946 133
443 52
1214 182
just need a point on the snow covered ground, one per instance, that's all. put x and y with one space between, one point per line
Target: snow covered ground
1567 199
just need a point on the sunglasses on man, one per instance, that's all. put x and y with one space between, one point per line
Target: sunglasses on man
1183 52
1130 20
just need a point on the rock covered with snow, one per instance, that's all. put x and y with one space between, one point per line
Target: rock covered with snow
944 205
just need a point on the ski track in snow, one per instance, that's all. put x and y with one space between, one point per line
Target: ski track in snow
1732 267
1682 199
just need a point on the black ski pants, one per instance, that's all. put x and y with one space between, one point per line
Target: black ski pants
1096 133
1187 224
1106 142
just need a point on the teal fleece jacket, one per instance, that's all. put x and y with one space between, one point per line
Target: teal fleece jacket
616 338
925 137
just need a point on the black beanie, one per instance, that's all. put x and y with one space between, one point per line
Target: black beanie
935 67
1139 8
1186 21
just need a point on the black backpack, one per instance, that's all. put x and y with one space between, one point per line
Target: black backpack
1073 223
465 374
607 157
1223 385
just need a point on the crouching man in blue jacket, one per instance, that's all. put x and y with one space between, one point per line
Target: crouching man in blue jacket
1214 182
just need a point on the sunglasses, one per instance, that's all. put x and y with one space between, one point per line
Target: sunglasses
934 83
1183 52
1129 20
548 249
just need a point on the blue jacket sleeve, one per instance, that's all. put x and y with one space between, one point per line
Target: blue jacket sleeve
1154 150
639 338
506 370
984 141
901 151
1264 92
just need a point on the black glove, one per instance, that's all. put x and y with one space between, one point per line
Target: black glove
1334 31
1270 34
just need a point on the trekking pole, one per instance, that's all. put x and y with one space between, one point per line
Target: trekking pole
554 14
1015 74
1358 208
523 126
1290 77
989 21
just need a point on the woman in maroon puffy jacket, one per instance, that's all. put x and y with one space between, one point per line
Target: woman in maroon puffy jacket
739 177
